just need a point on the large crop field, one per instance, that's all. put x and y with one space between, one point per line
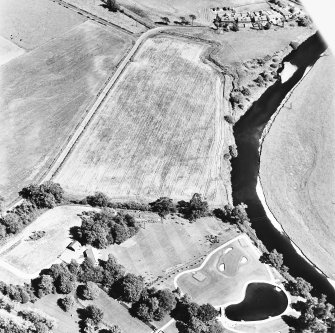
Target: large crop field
31 23
297 165
161 131
45 93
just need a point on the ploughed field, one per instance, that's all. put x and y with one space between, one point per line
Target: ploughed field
160 131
44 95
297 165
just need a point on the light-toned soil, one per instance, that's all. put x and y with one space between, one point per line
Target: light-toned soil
218 287
163 248
31 23
44 95
96 7
297 165
160 131
32 256
8 51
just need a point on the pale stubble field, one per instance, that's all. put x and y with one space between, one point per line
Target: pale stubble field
160 131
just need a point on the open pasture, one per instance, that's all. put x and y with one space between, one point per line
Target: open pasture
44 95
160 132
31 23
31 257
163 248
221 278
297 165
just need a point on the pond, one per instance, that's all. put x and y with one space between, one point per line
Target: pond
261 301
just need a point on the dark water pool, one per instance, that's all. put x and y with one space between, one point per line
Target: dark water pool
261 301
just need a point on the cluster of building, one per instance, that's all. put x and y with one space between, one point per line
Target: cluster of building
276 15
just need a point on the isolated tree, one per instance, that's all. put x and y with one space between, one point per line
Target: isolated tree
166 20
45 285
90 291
217 22
235 27
94 313
67 303
99 199
193 17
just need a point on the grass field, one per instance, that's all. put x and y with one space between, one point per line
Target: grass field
45 93
160 131
66 322
96 7
8 51
32 23
161 249
56 223
299 182
217 284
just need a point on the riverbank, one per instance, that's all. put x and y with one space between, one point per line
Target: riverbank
245 168
300 189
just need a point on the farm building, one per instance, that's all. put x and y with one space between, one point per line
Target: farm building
67 256
74 246
91 255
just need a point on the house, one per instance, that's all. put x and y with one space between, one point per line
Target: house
91 255
74 246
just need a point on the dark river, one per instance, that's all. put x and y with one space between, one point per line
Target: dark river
248 131
261 301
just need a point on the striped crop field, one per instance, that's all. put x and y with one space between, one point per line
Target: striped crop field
160 131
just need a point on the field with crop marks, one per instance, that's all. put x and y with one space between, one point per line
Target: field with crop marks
44 95
31 23
297 165
160 132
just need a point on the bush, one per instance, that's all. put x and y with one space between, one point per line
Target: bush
229 119
245 91
233 151
67 303
260 81
235 27
90 291
236 98
94 313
